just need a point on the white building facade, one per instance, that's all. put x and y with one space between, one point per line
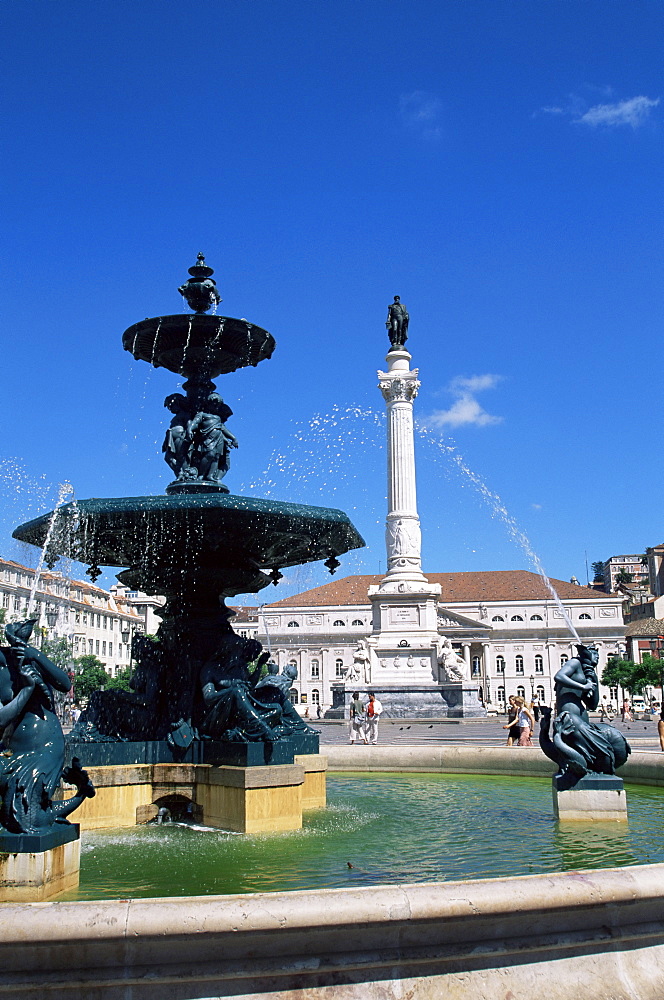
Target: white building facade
94 621
505 625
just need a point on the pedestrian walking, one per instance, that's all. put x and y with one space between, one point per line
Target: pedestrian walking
526 722
357 718
372 713
512 723
660 729
626 711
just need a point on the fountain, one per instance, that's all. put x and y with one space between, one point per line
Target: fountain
197 691
218 730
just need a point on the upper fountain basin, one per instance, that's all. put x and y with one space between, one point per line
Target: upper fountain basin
197 344
226 540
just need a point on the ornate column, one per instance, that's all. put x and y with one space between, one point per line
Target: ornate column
403 538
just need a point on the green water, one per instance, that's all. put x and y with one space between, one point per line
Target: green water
390 827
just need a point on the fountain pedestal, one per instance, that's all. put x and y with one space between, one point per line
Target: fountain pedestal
595 798
36 868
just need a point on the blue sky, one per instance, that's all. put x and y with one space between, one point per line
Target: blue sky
497 164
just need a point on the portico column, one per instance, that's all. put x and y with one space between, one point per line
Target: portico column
486 665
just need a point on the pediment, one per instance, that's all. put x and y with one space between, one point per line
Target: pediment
450 621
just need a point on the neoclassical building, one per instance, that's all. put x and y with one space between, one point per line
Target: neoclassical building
505 624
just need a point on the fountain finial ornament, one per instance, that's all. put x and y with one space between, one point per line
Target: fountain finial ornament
397 323
200 290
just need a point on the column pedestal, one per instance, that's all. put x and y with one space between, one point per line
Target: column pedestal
595 798
34 868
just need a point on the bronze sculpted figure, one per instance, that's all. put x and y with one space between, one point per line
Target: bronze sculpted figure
397 322
198 443
578 746
31 772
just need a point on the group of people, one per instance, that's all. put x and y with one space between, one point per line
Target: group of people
364 716
520 721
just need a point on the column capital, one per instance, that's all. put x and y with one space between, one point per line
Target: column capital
400 386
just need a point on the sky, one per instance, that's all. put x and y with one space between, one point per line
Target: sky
496 164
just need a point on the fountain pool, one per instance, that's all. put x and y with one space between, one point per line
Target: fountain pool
467 826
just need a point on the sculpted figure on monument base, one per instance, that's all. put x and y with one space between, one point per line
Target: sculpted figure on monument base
454 666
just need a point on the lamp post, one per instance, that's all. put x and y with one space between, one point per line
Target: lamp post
51 615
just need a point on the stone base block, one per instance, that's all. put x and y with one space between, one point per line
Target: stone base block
253 799
36 876
258 754
314 789
596 798
413 701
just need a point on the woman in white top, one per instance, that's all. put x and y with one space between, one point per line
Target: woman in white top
526 722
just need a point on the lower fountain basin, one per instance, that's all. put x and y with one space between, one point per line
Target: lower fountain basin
221 541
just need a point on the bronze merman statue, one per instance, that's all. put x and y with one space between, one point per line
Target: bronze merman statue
32 769
578 746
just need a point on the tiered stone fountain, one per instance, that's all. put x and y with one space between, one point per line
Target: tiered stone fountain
201 693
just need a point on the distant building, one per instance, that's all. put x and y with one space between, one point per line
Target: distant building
505 624
635 565
93 620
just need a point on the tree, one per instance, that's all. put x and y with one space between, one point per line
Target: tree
90 676
620 673
598 572
59 651
121 680
624 577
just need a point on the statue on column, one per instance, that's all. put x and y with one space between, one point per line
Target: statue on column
362 662
397 322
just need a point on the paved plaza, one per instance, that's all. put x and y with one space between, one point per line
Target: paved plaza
470 732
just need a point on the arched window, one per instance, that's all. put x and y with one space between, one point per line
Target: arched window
476 666
584 618
293 625
539 691
293 695
539 664
564 658
315 668
357 621
536 618
338 668
338 623
500 695
315 697
518 662
497 618
521 692
516 618
500 664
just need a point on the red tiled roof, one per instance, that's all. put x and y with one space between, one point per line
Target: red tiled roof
499 585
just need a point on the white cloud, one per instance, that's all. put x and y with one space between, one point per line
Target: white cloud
419 111
630 112
465 409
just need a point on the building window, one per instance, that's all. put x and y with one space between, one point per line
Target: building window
584 618
500 694
90 646
17 604
476 666
97 647
98 621
110 649
539 691
516 618
303 699
293 695
497 618
315 697
103 649
536 618
293 625
338 623
613 694
539 664
563 659
105 621
519 664
315 668
5 600
357 621
500 664
521 692
338 668
85 618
